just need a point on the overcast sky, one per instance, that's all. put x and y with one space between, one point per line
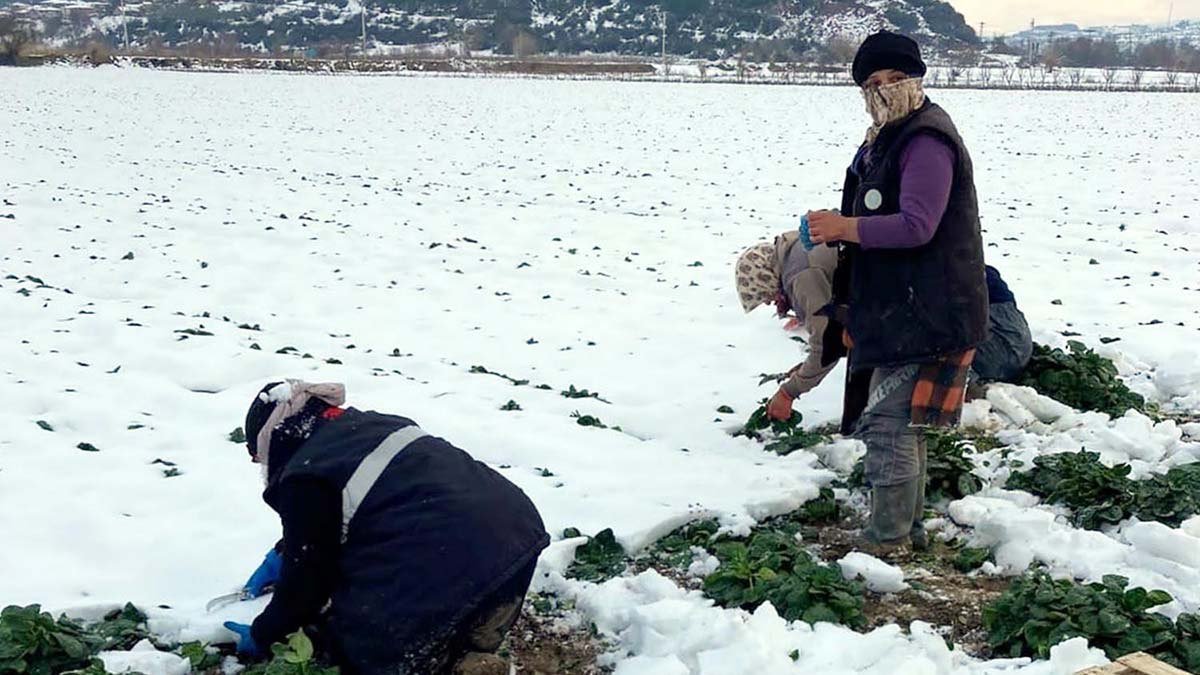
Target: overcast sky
1010 15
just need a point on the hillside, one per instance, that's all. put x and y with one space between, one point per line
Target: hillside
695 28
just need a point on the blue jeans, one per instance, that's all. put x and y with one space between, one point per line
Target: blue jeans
1009 345
895 464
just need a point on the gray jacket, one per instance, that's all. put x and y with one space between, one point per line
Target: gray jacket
807 280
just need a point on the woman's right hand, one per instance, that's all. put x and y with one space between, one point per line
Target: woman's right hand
827 227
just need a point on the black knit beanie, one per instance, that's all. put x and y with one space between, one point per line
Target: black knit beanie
260 410
887 51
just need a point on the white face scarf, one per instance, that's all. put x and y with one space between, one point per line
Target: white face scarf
892 102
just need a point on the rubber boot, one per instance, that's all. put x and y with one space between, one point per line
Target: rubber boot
917 535
891 523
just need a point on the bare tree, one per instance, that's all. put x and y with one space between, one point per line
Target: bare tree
741 66
1027 77
1196 81
1172 77
1135 78
1010 76
985 76
1075 77
934 76
702 68
1110 77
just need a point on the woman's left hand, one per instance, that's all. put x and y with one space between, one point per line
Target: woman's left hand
827 227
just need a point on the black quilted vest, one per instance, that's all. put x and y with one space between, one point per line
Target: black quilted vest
913 305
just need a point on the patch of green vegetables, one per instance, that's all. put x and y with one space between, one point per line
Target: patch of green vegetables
296 657
1082 379
1100 495
771 566
1038 612
599 559
781 437
948 468
35 643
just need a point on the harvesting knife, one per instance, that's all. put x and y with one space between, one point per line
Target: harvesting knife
226 600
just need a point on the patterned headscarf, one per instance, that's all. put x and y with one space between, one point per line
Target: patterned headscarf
757 278
892 102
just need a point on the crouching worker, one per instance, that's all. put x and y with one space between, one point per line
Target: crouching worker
798 282
1009 345
401 555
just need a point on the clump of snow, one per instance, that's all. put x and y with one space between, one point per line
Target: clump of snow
703 563
277 394
878 575
840 455
1045 427
144 658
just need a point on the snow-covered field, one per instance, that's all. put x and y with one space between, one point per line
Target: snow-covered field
403 230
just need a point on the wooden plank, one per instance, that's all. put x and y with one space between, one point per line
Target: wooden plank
1110 669
1148 665
1135 664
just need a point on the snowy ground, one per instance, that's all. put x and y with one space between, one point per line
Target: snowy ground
568 233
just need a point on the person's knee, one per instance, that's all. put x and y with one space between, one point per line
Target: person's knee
893 456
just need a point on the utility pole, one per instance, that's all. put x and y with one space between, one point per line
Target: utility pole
363 14
662 16
125 25
981 26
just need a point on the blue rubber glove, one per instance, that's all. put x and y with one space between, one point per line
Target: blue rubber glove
805 237
266 575
246 646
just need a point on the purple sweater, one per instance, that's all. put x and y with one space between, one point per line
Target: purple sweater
926 174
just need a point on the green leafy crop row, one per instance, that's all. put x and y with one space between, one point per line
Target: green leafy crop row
33 642
768 566
1100 495
1038 612
1082 379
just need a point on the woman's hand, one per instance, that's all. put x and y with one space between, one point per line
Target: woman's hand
780 407
826 227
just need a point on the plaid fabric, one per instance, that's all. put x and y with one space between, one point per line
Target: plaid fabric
941 387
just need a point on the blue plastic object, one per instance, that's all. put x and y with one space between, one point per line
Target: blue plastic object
805 236
245 641
266 576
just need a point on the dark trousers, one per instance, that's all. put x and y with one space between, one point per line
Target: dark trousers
483 630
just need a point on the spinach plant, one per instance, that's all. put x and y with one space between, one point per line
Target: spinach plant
1082 379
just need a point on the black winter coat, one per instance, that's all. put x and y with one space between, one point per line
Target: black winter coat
423 543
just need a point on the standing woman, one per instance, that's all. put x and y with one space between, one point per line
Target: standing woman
910 295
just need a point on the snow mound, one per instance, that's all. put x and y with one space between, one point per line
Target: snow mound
145 659
875 573
662 629
1150 555
1179 377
